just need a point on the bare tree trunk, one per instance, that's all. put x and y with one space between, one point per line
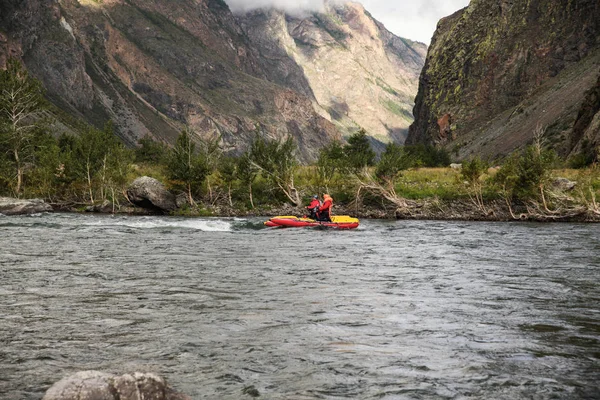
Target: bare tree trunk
250 192
229 195
112 189
191 200
89 179
210 196
102 192
19 172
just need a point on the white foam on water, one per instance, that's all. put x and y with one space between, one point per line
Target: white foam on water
204 224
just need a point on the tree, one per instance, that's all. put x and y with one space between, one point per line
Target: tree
525 175
427 156
276 160
472 172
151 151
115 168
246 173
359 152
332 160
99 159
186 166
21 99
211 151
392 161
228 171
43 180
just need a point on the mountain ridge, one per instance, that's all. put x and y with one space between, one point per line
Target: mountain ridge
497 69
154 66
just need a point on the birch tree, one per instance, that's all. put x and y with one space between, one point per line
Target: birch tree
187 168
21 99
277 162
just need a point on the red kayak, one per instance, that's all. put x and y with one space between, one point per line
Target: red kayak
337 221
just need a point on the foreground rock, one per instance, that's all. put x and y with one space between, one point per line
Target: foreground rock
95 385
149 193
10 206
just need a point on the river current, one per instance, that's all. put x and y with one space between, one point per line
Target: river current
392 310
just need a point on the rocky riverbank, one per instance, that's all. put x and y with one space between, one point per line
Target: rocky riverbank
430 209
11 206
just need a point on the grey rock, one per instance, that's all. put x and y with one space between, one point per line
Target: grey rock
563 184
11 206
147 192
84 385
182 200
95 385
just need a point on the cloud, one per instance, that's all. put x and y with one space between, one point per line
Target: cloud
416 19
286 5
412 19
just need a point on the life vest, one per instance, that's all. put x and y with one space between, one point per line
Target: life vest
327 204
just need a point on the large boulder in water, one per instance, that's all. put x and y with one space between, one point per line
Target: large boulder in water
95 385
10 206
149 193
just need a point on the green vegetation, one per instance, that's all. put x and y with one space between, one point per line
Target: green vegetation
93 167
187 168
396 109
21 99
358 152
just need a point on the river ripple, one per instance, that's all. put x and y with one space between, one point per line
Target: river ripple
392 310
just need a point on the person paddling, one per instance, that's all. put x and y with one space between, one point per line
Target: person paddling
313 207
324 213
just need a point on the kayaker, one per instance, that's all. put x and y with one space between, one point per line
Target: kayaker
313 207
324 213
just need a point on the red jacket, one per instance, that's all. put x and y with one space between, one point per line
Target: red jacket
313 204
326 205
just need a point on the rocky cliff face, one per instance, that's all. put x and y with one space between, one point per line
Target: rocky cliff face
357 72
498 68
153 66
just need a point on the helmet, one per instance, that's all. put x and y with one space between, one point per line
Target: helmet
315 197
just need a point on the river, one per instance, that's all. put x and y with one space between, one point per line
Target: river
392 310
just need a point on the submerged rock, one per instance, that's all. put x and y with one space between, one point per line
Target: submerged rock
96 385
11 206
147 192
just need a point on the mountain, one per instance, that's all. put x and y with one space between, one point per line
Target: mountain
153 66
497 69
359 74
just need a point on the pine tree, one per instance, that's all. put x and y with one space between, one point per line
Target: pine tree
359 152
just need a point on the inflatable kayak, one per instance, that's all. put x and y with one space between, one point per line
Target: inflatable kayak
337 221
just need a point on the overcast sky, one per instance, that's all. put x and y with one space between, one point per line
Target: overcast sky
412 19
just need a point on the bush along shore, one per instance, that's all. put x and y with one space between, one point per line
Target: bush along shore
88 169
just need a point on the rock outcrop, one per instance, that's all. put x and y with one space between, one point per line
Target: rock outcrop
501 68
11 206
95 385
149 193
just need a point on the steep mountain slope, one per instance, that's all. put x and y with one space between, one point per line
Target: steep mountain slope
498 68
153 65
358 72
